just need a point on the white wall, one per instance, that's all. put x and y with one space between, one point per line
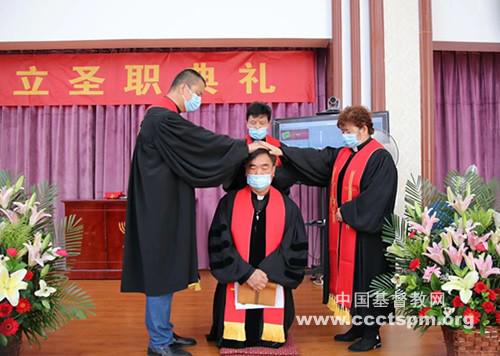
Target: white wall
73 20
402 85
466 20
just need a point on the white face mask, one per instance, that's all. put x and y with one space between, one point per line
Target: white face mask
193 103
257 134
259 181
350 140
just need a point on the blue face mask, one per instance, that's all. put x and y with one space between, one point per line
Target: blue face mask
259 181
350 140
257 134
194 103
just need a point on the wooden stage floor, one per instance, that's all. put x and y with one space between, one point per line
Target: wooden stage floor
118 326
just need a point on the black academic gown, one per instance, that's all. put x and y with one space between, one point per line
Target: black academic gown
366 213
172 156
285 266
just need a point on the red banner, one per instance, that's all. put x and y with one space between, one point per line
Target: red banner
136 78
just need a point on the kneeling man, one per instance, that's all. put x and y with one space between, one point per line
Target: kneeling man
257 247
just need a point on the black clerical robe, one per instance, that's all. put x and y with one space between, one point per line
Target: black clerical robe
172 156
285 266
365 213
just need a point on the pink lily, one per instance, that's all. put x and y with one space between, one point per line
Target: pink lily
429 271
427 222
37 216
11 215
435 253
5 196
455 255
485 266
497 247
35 254
477 243
458 203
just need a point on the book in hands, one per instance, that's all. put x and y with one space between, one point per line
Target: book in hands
265 297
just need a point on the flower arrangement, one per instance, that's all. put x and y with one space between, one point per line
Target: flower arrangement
445 253
35 293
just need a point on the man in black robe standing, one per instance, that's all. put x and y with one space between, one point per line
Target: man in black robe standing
172 156
258 120
362 179
257 238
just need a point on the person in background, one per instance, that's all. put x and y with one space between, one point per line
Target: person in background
258 119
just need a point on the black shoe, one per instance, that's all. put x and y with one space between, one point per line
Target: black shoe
354 333
167 351
183 341
366 344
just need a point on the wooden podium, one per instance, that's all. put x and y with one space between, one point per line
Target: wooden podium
103 237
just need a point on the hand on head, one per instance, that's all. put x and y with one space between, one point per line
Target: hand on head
254 146
276 151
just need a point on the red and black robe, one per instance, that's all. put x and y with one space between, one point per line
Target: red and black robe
283 265
363 212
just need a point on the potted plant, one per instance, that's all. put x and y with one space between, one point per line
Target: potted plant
35 294
445 253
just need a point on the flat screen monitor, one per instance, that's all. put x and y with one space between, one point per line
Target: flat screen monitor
320 131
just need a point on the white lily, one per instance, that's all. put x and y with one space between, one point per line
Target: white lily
462 285
36 215
496 219
398 280
24 208
10 285
35 255
458 203
5 196
4 259
469 261
45 290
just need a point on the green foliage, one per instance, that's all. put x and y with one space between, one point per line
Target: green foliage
14 236
69 301
484 193
383 284
72 229
442 226
483 217
420 193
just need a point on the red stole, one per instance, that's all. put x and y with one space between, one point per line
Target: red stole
241 227
342 237
164 102
269 139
